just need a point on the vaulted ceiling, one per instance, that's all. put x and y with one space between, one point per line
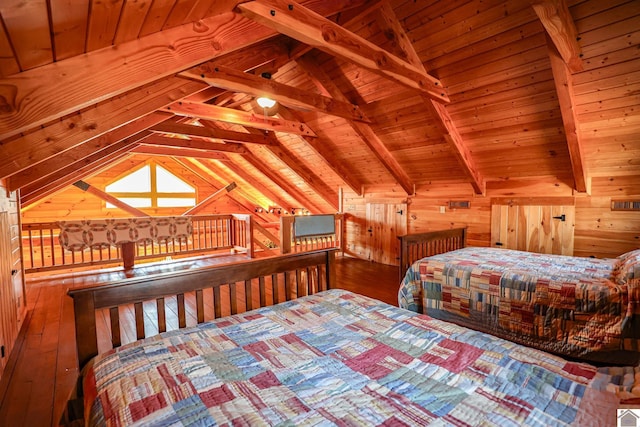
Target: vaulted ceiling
399 93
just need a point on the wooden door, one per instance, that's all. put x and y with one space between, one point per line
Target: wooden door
7 306
385 222
545 229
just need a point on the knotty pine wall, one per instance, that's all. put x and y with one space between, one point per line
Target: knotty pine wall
599 231
12 294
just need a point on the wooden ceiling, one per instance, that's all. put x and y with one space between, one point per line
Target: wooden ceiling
396 93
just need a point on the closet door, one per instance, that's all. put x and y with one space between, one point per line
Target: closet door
524 225
385 222
8 311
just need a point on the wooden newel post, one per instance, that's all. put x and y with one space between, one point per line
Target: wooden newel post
128 251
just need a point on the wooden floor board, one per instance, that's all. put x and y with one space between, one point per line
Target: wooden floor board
45 364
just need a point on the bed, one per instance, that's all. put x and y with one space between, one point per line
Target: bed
577 307
330 357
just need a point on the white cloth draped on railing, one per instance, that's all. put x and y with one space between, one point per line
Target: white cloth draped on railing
100 233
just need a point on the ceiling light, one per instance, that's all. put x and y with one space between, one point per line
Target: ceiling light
265 102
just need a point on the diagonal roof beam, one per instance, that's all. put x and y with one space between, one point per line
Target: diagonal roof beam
557 21
563 80
239 117
306 26
307 175
37 146
210 132
238 81
392 28
87 152
364 130
40 95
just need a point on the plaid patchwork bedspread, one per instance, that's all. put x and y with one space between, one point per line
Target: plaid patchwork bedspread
338 358
570 306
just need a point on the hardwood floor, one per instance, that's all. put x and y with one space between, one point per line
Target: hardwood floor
43 368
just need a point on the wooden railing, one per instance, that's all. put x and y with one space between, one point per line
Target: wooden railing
290 243
42 250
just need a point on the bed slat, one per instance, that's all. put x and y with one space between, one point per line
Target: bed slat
139 320
116 341
200 306
182 313
162 318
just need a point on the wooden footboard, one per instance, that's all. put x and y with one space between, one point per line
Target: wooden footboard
416 246
253 283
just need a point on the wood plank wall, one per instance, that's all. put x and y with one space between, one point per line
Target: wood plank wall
599 231
12 292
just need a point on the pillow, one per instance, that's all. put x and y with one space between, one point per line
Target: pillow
627 267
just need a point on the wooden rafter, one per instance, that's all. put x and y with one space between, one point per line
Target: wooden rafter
365 131
228 115
306 26
394 30
557 21
320 146
210 199
211 132
156 150
33 195
198 144
94 160
238 81
563 80
202 170
290 189
41 95
91 123
88 188
87 152
305 173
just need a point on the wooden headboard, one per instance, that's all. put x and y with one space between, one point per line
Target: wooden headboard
301 274
417 246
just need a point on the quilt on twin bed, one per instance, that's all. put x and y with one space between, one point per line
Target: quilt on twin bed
574 306
338 358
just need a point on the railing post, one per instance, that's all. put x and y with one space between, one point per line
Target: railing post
128 251
285 234
249 237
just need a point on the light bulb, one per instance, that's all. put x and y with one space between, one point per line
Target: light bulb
265 102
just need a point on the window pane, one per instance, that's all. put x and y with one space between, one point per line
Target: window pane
169 183
142 202
136 182
167 202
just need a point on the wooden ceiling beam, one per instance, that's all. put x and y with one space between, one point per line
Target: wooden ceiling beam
88 152
37 194
306 26
288 188
392 28
238 117
224 191
88 188
365 131
154 150
82 128
40 95
557 21
320 146
563 80
238 81
94 160
329 195
166 141
240 196
211 132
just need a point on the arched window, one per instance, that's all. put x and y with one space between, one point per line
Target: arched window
152 186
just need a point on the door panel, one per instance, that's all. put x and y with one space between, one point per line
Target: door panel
385 222
544 229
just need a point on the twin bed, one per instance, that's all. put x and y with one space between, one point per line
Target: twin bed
322 356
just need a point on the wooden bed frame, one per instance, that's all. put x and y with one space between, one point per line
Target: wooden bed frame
417 246
301 274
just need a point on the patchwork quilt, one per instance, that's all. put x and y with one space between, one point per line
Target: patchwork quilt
578 307
337 358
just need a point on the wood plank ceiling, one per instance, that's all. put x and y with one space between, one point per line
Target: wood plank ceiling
392 92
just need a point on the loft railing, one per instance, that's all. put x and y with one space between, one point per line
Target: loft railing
291 243
42 250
